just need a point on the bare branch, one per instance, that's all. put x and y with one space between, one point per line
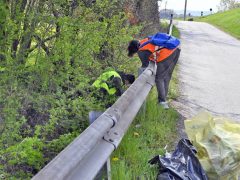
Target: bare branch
42 43
45 48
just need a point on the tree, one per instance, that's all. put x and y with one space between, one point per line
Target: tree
228 4
144 12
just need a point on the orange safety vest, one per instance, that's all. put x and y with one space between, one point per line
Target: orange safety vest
160 54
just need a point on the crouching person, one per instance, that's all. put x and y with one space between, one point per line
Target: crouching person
109 86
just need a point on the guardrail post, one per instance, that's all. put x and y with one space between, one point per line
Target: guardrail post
170 25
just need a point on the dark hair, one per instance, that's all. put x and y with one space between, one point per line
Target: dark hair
130 78
133 47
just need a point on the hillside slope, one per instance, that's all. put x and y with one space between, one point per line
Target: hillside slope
228 21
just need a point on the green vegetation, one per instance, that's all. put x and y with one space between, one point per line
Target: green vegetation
51 52
176 32
148 135
151 131
228 21
174 91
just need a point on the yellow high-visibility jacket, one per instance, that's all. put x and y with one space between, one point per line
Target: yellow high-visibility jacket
102 80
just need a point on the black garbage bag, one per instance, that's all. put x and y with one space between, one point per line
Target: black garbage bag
182 164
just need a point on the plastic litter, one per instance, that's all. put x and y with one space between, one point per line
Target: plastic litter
218 142
182 164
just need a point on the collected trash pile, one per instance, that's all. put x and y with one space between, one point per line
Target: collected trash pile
181 164
212 151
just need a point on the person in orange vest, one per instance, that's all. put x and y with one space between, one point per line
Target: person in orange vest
166 60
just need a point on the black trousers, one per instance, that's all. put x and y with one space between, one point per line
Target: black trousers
164 74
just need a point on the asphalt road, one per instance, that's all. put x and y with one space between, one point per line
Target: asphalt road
209 71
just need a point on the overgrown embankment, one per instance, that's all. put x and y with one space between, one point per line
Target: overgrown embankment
228 21
51 52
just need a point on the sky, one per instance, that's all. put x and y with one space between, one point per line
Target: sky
193 5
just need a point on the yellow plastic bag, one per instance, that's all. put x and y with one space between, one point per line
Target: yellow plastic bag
217 140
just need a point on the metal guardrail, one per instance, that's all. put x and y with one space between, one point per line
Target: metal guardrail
84 157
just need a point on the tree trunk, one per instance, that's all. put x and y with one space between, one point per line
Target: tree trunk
29 27
17 8
143 12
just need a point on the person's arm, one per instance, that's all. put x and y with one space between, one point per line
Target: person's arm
144 57
117 82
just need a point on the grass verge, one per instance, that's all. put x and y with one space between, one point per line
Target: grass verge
151 131
228 21
176 32
173 90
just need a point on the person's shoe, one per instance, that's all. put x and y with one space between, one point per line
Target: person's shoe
164 105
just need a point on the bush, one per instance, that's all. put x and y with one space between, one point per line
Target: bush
25 156
50 54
